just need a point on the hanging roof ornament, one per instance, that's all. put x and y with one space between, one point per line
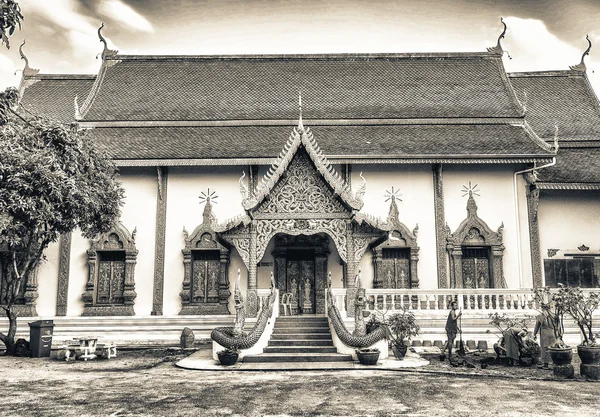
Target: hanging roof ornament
300 125
105 52
27 71
498 48
581 66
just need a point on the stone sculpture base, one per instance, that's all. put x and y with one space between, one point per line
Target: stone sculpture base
590 371
564 371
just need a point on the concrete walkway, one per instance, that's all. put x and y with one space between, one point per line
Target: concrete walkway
202 361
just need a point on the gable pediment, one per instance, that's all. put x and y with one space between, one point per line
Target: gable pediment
302 192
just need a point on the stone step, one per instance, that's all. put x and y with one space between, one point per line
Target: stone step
294 324
304 336
298 357
305 330
301 342
300 349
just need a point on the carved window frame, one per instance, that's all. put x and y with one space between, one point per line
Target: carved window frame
464 237
398 238
117 239
204 238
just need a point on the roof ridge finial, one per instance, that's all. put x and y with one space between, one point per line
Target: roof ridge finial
555 138
300 125
105 52
498 48
581 66
27 71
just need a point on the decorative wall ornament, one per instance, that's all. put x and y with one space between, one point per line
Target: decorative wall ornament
441 228
393 272
581 66
243 187
474 232
533 197
552 252
206 266
110 289
583 248
64 263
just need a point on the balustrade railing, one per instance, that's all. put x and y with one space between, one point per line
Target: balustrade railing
486 300
263 296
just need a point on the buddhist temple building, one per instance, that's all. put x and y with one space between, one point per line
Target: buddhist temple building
425 173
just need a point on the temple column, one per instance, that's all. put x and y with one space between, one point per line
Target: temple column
533 199
350 271
252 294
162 175
224 292
440 226
64 263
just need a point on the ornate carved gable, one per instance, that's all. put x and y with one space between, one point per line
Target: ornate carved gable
301 164
474 231
118 238
301 192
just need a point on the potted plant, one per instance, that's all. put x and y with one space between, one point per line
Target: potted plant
553 304
228 356
367 356
401 327
581 306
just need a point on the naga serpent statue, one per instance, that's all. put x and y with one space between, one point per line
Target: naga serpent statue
359 338
234 337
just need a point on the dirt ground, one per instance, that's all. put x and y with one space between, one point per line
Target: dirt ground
147 383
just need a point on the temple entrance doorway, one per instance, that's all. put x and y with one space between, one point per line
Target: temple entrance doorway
300 271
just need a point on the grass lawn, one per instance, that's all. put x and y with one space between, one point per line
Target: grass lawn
146 383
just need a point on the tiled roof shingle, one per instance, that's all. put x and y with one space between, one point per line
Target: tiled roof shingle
563 98
574 165
267 141
53 96
333 87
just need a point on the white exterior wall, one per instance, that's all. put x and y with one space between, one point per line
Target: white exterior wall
48 282
496 205
417 207
183 209
78 273
567 220
139 211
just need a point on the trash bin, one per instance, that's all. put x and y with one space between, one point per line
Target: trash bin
40 337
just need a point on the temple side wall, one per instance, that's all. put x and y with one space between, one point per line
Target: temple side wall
567 220
184 209
415 184
496 205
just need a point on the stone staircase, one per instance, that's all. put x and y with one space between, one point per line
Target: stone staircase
300 339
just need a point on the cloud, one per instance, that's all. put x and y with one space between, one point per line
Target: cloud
534 48
78 28
119 11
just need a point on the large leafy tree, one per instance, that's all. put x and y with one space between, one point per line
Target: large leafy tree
10 19
52 181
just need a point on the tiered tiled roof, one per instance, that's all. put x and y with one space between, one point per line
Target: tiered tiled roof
382 141
561 98
563 103
334 86
53 95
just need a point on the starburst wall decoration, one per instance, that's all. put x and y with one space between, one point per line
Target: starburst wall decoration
470 189
389 195
208 196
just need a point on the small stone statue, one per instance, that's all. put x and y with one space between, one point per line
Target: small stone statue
186 340
294 289
307 287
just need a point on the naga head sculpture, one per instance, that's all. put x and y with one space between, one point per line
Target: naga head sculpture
360 298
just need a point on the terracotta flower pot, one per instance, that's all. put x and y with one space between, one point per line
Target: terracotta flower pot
367 357
561 356
227 357
589 355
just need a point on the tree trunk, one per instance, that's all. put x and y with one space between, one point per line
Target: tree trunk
9 339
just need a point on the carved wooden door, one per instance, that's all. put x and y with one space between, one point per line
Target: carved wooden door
206 268
300 281
476 268
395 268
111 277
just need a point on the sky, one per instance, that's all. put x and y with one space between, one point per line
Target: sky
542 35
